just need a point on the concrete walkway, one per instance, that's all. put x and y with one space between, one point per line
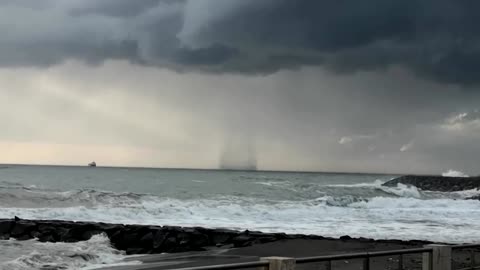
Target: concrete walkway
180 260
292 248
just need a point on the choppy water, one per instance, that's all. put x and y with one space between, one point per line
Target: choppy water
310 203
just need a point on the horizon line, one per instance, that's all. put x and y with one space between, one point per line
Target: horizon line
208 169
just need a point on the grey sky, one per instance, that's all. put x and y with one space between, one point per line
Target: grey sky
319 85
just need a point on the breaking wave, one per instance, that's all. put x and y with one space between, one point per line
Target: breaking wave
402 212
363 209
31 196
400 190
32 254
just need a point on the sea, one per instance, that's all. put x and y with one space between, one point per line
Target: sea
327 204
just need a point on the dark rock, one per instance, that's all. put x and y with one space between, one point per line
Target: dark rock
365 240
137 239
243 240
21 228
158 239
313 237
111 229
132 251
172 228
171 245
60 233
6 226
263 240
88 234
129 239
117 239
195 240
345 237
280 235
437 183
80 232
35 234
147 240
200 240
44 228
221 236
46 238
23 237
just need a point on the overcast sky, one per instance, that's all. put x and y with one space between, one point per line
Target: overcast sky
344 85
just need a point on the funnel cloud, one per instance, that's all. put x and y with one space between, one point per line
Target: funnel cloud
238 153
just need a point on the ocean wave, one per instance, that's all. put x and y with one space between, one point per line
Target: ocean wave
361 210
375 183
279 184
32 254
379 217
467 193
340 195
409 203
7 184
343 201
198 181
32 196
400 190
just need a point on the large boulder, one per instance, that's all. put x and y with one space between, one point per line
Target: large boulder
21 229
6 226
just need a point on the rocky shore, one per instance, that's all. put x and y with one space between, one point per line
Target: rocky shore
142 239
437 183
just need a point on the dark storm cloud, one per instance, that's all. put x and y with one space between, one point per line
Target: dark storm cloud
117 8
215 54
437 39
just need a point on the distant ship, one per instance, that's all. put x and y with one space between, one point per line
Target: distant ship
92 164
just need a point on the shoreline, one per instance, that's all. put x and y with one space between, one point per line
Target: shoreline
146 239
167 247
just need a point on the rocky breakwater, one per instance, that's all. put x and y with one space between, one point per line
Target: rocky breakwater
437 183
144 239
134 239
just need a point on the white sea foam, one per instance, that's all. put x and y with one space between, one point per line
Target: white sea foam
467 193
376 183
453 173
443 220
400 190
279 184
31 254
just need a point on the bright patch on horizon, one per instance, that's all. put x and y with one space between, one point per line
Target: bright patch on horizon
453 173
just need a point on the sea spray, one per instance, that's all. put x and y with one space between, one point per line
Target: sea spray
32 254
